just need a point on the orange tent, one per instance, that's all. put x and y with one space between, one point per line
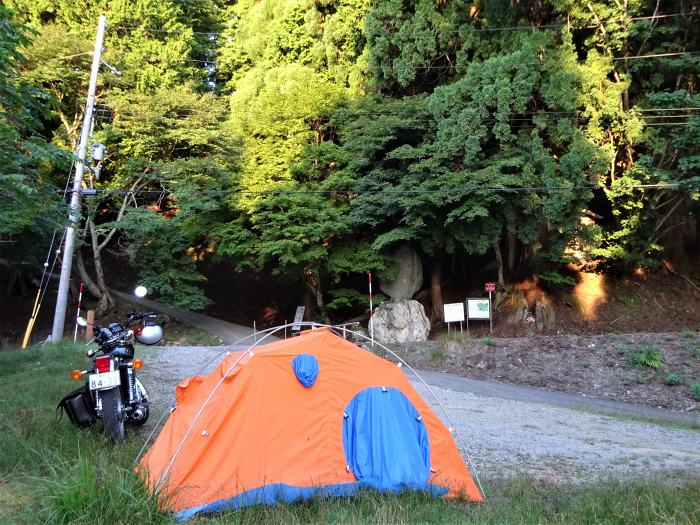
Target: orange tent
301 417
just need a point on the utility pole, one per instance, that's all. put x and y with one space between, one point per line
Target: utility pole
59 318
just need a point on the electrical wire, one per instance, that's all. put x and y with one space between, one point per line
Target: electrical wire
356 192
467 28
184 113
47 272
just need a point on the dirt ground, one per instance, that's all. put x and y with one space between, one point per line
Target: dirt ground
612 366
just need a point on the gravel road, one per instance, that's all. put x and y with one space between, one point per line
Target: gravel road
503 436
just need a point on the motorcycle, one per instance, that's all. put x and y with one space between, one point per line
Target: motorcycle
112 392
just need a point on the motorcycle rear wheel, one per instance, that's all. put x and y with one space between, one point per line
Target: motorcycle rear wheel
112 415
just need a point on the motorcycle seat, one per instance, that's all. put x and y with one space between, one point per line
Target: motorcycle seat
122 352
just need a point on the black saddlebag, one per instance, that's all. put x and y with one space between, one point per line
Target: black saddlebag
80 407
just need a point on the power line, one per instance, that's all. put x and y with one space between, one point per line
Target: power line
467 28
516 115
66 57
647 120
396 66
658 55
351 192
393 64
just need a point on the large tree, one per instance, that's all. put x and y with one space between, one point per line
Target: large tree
30 206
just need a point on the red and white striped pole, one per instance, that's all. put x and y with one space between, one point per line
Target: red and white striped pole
80 298
371 310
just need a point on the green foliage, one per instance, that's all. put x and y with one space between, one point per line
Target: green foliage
452 158
695 391
55 472
673 379
649 356
437 356
29 206
348 297
455 336
695 351
173 145
311 138
323 36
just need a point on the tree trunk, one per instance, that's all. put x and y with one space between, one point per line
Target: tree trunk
106 299
309 301
313 283
85 276
437 315
512 246
499 261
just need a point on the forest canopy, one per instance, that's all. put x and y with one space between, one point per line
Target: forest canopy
311 138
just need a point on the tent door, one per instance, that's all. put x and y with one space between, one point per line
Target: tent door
385 440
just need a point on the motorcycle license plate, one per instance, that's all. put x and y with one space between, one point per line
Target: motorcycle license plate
106 380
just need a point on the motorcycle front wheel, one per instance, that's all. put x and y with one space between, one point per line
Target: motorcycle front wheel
112 415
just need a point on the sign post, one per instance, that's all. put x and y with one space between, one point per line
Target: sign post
80 298
490 287
478 309
298 318
371 310
453 312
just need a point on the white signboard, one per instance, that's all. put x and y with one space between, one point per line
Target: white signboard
454 312
298 318
478 309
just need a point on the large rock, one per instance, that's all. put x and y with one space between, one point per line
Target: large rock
400 322
409 277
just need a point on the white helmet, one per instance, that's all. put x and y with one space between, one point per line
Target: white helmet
149 334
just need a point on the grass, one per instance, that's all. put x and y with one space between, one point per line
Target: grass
680 424
455 336
51 472
522 501
437 356
182 334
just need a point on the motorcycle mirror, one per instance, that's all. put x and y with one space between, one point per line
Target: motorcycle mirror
140 291
82 322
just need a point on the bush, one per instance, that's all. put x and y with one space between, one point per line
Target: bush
649 356
437 356
695 391
673 379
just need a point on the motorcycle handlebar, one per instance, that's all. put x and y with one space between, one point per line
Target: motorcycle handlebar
136 316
